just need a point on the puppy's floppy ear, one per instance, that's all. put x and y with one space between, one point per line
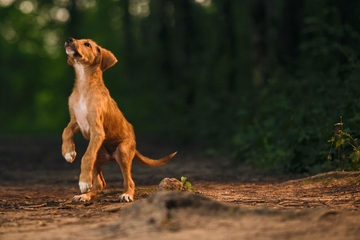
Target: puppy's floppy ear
107 59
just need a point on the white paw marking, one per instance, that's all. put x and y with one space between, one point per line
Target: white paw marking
81 198
70 157
84 187
126 198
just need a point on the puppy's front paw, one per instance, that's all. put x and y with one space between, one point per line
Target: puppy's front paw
84 187
81 198
126 198
70 156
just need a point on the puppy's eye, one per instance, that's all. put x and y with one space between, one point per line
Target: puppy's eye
87 44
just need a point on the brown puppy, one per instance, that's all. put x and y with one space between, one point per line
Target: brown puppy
97 116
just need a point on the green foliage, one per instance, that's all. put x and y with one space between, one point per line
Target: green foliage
186 184
347 155
295 110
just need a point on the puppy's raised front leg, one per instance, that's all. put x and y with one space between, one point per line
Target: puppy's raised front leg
97 137
68 146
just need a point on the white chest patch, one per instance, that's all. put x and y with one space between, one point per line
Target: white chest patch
81 111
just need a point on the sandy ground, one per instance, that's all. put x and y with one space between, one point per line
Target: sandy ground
230 201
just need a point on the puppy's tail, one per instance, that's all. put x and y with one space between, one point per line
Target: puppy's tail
152 162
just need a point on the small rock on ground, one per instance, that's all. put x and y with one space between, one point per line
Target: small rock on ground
170 184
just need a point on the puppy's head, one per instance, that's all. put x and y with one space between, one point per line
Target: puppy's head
89 53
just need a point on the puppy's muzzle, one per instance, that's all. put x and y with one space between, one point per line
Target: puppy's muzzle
70 48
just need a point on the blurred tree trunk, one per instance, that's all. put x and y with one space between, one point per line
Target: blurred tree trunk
230 35
275 36
258 38
290 32
129 44
190 50
74 29
178 43
165 35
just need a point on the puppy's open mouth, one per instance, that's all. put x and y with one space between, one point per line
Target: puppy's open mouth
70 51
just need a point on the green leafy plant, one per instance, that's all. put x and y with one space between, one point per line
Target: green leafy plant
187 184
348 149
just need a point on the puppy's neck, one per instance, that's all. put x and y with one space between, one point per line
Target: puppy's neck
86 76
80 72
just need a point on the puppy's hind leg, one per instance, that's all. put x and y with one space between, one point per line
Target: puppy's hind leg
125 153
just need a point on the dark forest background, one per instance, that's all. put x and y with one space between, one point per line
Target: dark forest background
263 81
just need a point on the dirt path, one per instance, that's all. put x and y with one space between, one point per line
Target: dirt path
36 186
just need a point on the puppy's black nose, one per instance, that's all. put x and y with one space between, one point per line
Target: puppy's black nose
70 40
